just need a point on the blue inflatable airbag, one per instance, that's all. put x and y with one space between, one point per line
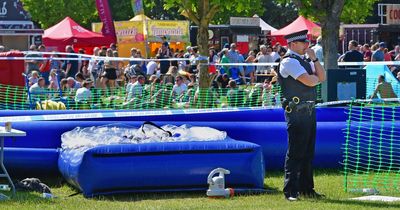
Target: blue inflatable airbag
31 161
168 166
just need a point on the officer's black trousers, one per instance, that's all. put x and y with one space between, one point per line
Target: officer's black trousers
301 128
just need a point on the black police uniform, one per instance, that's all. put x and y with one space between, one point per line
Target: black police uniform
298 102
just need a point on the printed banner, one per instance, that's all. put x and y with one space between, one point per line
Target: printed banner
130 34
126 31
170 31
137 6
129 31
105 17
393 14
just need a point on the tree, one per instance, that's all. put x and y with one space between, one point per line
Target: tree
279 15
122 10
329 13
201 13
155 9
47 13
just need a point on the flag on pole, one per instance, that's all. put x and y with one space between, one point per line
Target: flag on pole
106 17
137 6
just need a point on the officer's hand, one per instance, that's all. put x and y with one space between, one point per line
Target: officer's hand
311 54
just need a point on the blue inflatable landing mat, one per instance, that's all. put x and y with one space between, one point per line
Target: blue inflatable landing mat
156 167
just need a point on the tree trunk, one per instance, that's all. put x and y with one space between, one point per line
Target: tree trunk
202 42
330 31
204 76
330 40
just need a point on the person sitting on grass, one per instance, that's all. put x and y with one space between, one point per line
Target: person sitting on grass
170 75
235 95
79 78
222 82
155 86
83 94
384 89
255 96
38 90
64 85
162 98
206 98
132 79
179 88
192 80
135 94
267 95
188 97
148 87
73 84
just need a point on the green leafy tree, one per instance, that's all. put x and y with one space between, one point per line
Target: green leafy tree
122 10
278 14
47 13
202 13
155 9
329 13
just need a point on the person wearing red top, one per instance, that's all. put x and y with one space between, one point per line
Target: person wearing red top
367 52
45 65
387 55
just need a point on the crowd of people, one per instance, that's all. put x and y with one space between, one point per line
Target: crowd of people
372 53
180 72
142 79
376 53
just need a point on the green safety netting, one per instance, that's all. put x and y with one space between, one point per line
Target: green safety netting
157 97
153 97
372 147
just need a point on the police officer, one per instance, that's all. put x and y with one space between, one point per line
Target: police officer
299 73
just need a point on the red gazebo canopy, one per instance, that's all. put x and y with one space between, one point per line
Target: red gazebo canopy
68 32
299 24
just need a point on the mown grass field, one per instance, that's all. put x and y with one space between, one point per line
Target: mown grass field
328 182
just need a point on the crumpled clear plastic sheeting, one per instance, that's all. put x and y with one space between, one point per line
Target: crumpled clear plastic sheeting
95 136
85 138
189 133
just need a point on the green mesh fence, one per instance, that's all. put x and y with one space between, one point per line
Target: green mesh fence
372 147
152 97
13 97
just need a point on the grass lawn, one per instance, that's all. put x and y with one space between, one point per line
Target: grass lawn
328 182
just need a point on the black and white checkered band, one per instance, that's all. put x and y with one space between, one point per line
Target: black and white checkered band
299 37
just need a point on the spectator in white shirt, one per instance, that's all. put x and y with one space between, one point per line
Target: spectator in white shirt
151 67
264 56
83 93
38 90
275 52
179 88
318 49
136 90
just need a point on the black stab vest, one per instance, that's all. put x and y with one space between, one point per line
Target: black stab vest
291 87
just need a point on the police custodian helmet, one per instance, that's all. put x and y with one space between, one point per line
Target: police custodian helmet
299 36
